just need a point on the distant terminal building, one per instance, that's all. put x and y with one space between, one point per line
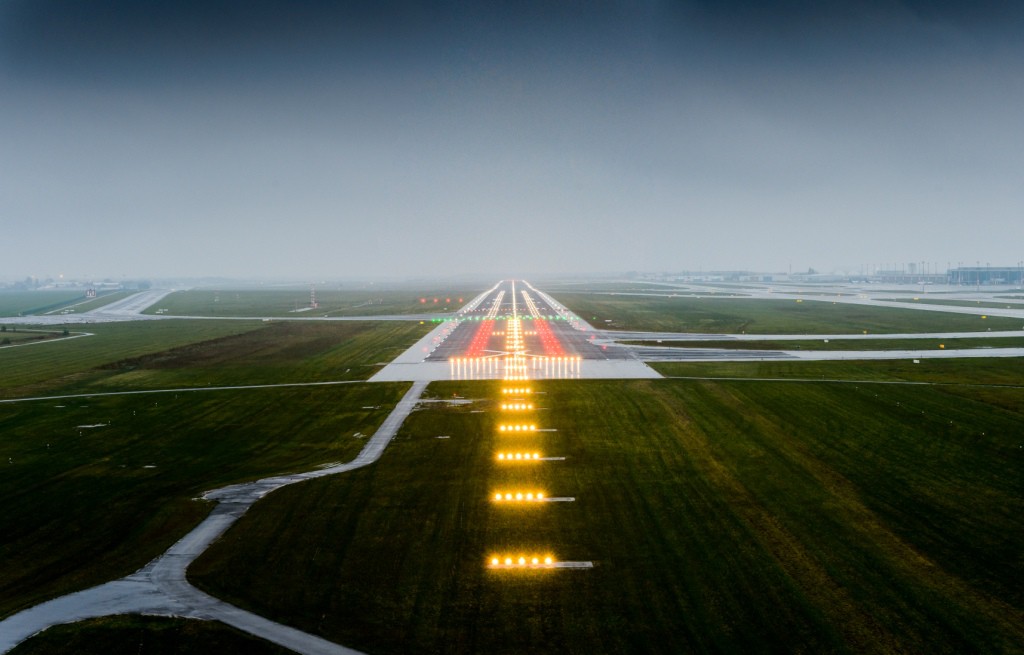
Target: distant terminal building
977 275
903 276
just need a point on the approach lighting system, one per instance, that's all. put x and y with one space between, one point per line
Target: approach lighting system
516 407
522 561
518 457
523 427
519 497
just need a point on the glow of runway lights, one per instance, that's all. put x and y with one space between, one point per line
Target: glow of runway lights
517 456
519 496
522 561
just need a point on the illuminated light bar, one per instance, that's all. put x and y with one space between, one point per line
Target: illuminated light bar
519 497
517 428
518 457
517 390
516 407
520 561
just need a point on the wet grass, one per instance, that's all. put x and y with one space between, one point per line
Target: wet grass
846 344
93 488
739 315
175 353
721 517
924 300
975 371
17 303
17 335
282 352
27 371
145 635
333 302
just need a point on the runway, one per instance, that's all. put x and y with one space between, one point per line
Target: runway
555 343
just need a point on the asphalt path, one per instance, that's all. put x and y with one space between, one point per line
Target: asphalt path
161 589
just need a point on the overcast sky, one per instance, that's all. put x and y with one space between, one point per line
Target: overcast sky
325 139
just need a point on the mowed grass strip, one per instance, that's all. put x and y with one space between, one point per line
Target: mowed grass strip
17 303
281 352
332 302
844 344
973 371
758 316
730 517
13 335
994 304
145 635
42 368
93 488
179 353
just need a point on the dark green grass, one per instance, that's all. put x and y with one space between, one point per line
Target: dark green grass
145 635
86 505
273 353
23 335
17 303
333 302
721 517
47 366
991 371
737 315
924 300
173 353
846 344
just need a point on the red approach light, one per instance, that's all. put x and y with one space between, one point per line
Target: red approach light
423 300
435 299
460 299
447 299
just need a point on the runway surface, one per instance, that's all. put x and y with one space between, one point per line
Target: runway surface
555 343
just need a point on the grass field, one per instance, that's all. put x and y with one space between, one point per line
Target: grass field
86 504
37 369
174 353
333 302
734 316
17 303
721 517
846 344
983 371
924 300
93 488
145 635
17 335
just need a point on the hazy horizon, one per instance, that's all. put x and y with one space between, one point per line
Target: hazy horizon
265 139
